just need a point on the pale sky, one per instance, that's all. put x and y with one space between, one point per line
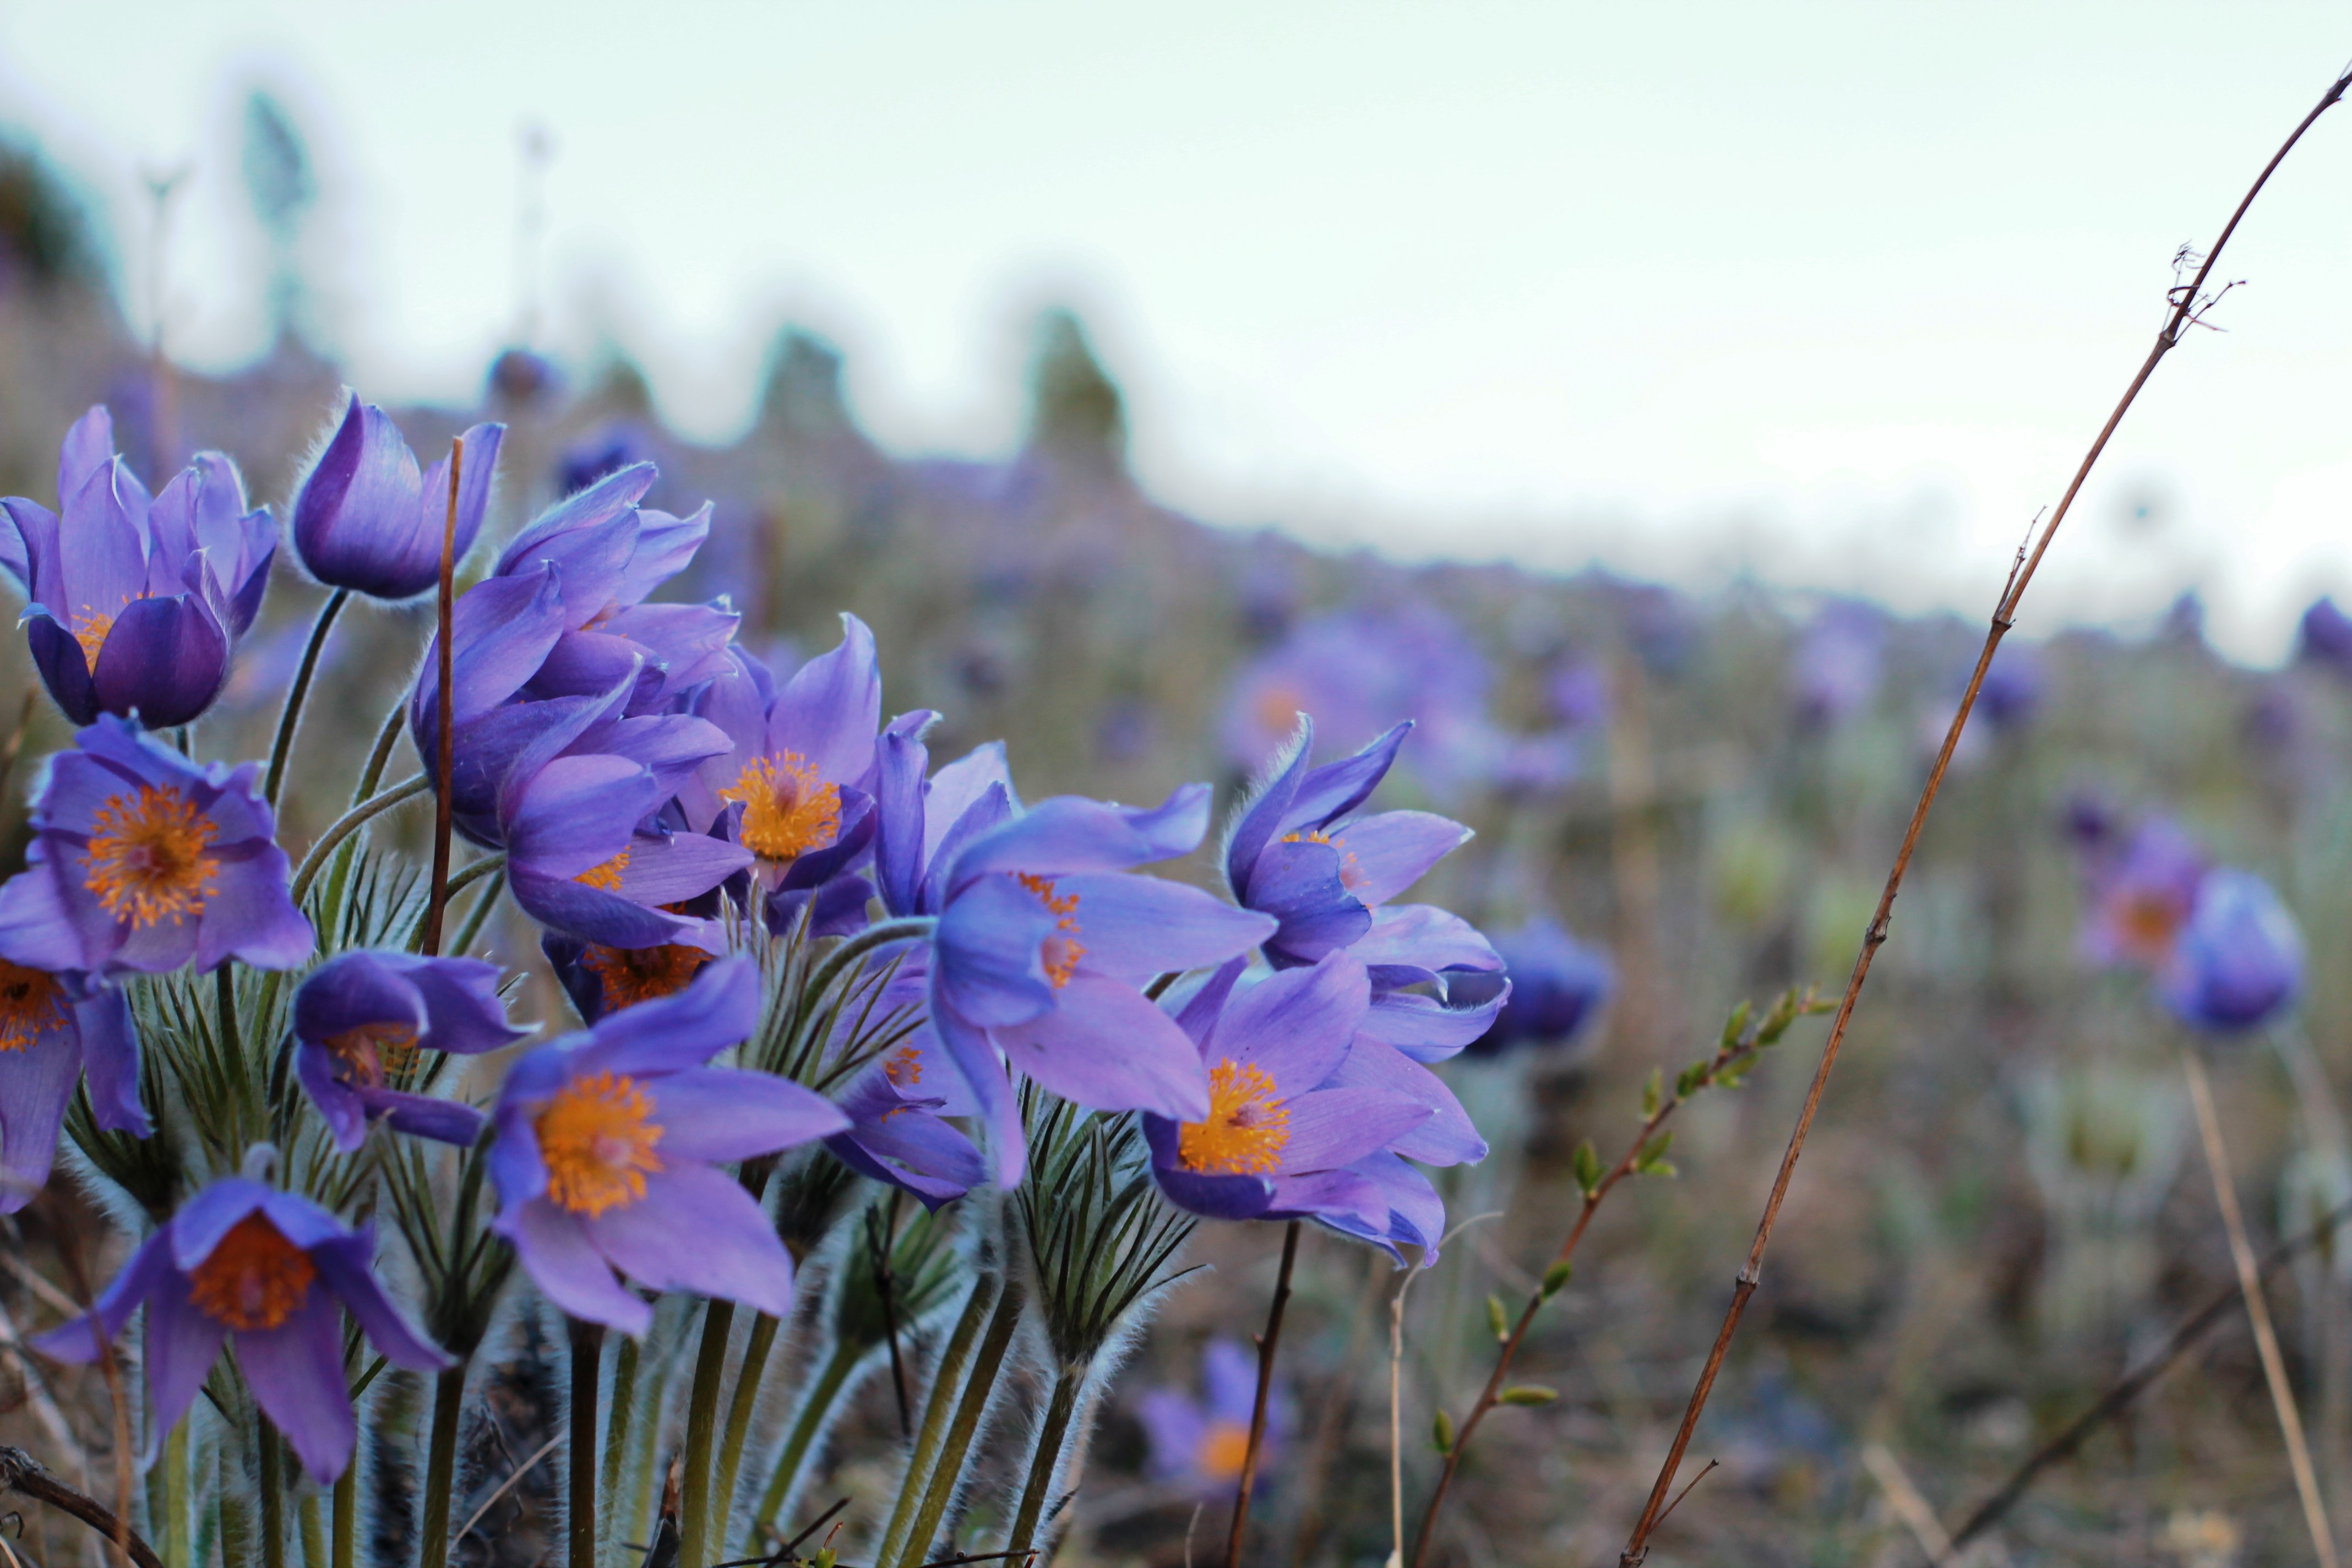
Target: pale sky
1830 294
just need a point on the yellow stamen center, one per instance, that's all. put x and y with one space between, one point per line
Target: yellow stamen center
787 809
1351 876
1247 1128
32 1003
634 974
1059 953
255 1279
605 877
91 630
906 1068
372 1053
147 860
1225 1448
596 1137
2149 920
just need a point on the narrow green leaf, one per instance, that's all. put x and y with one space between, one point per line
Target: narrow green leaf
1497 1318
1440 1432
1556 1277
1735 1026
1652 1093
1653 1153
1528 1394
1692 1077
1586 1167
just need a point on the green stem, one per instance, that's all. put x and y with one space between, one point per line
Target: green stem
946 1383
1046 1461
236 1521
348 824
370 776
738 1412
617 1430
701 1422
273 1498
441 1467
347 1515
172 1530
479 915
587 1361
802 1436
290 716
314 1528
970 1409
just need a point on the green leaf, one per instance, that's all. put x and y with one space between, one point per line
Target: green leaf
1497 1318
1651 1159
1735 1026
1528 1394
1556 1277
1652 1092
1586 1167
1440 1432
1693 1076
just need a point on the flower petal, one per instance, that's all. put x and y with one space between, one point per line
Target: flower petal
723 1114
697 1230
1135 927
296 1373
1103 1046
554 1250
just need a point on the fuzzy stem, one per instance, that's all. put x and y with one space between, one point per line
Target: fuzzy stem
235 1524
802 1436
441 1467
273 1498
970 1409
748 1376
312 1520
348 824
1267 1345
290 717
347 1515
173 1526
945 1384
616 1429
587 1359
1046 1461
701 1423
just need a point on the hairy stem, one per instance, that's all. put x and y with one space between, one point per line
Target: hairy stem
441 1467
587 1362
946 1383
2186 302
348 824
290 717
311 1516
740 1409
810 1420
176 1478
1266 1344
617 1430
701 1423
971 1410
273 1496
347 1516
1045 1462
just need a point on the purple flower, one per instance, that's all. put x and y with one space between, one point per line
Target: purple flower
1299 853
1201 1446
2142 894
922 824
2013 687
1279 1134
278 1272
1836 670
1558 984
360 1019
602 980
54 1029
1043 942
605 1149
135 601
2239 957
142 861
897 1131
367 521
2326 637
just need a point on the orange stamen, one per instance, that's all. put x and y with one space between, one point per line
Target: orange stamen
634 974
1059 953
1351 876
255 1278
606 877
372 1053
787 809
1247 1128
147 860
596 1137
32 1003
1224 1451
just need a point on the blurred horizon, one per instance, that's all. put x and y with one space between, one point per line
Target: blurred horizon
1829 301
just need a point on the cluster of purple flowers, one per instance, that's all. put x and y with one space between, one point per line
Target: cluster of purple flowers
668 811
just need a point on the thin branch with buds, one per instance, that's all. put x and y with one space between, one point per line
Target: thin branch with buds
2187 304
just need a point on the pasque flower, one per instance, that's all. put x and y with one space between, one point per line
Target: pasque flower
142 861
136 601
1043 942
898 1129
54 1029
1201 1444
922 824
1558 986
359 1020
2142 892
606 1144
2238 960
276 1272
367 521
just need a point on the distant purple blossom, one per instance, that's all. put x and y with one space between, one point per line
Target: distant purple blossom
1836 670
2237 961
1200 1444
1558 986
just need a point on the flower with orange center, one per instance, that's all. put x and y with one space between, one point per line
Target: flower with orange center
362 1021
788 810
1224 1450
633 975
32 1003
255 1278
1247 1128
370 1053
150 858
1060 951
90 630
1351 876
596 1137
605 875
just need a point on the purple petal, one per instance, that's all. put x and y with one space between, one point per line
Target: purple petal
1135 927
1335 1127
110 1054
37 1079
1425 938
164 661
697 1230
182 1342
1447 1138
1334 790
1389 853
149 1272
1217 1197
988 958
1294 1025
1069 835
983 1073
65 669
554 1250
1103 1046
670 1034
345 1265
827 712
722 1114
1260 821
296 1373
209 1215
426 1116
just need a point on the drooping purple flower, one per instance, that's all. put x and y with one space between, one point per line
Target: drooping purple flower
366 520
898 1129
1201 1444
142 861
2142 893
278 1272
603 452
2238 960
1558 986
1043 942
602 980
54 1029
1337 666
135 601
606 1148
359 1019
